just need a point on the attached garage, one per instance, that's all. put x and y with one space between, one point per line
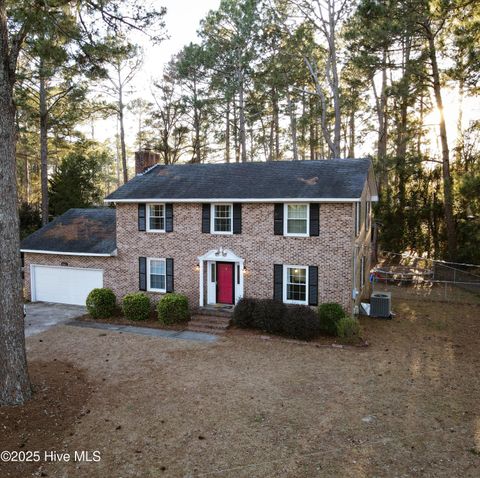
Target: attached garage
64 260
65 285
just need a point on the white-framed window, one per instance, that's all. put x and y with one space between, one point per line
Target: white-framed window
156 275
368 214
222 218
156 217
295 284
296 219
358 209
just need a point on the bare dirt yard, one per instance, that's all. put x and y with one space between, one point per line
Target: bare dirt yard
406 406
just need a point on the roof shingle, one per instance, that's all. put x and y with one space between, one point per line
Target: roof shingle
326 179
85 231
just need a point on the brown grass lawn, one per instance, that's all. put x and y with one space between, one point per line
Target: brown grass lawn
406 406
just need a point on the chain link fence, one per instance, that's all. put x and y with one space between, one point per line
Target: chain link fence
406 276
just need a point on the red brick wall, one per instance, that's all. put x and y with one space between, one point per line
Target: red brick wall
331 251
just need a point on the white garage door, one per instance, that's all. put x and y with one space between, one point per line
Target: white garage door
65 285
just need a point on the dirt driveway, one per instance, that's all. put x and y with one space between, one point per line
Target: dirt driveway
406 406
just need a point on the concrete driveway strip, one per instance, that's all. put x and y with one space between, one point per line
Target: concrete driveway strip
43 315
131 329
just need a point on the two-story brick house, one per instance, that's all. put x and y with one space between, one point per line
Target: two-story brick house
297 231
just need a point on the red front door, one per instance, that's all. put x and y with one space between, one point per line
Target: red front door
224 282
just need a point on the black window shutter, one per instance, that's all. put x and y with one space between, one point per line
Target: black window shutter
168 217
237 218
313 285
206 218
314 219
142 213
278 220
169 281
142 273
278 282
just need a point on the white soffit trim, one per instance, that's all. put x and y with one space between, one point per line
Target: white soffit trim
232 200
61 253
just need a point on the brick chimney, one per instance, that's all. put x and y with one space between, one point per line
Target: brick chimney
146 158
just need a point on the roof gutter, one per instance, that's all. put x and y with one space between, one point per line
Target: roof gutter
63 253
234 200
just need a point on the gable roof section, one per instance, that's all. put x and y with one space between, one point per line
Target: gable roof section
334 180
90 232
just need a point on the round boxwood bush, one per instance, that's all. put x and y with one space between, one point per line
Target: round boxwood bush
173 309
136 306
300 322
243 313
101 303
329 314
348 327
268 314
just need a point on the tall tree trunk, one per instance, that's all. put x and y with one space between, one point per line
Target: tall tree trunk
447 178
351 138
402 133
312 127
227 133
43 144
381 109
272 126
14 382
459 143
196 124
335 83
264 138
121 110
293 125
241 114
276 125
303 131
236 145
118 154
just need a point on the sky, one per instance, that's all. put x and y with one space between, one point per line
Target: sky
182 22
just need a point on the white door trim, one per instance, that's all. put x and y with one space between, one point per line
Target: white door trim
220 255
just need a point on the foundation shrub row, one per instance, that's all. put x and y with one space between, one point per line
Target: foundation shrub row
295 321
172 308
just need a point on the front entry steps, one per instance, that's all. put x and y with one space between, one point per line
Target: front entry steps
208 324
217 310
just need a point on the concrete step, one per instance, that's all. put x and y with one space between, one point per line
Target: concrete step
206 330
215 312
208 323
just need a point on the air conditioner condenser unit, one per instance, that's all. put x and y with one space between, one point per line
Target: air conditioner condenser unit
381 305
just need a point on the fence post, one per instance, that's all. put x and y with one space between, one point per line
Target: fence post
454 276
445 290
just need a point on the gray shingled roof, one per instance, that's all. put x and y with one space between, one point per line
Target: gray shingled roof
326 179
87 231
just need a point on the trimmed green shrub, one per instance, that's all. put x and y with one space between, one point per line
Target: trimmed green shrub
300 322
348 327
101 303
173 308
329 314
267 315
136 306
243 313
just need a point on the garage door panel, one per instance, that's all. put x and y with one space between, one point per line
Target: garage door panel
65 285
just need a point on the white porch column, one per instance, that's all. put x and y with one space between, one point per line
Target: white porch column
201 282
240 285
